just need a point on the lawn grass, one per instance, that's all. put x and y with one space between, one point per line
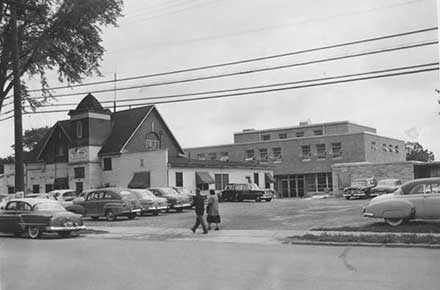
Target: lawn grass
368 238
382 227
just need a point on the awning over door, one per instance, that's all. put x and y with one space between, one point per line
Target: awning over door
140 180
269 177
61 183
204 177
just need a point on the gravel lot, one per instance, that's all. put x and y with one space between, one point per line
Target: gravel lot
279 214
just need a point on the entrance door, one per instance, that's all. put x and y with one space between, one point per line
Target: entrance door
79 187
292 189
284 188
300 185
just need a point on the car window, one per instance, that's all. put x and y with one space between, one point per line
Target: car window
421 189
90 196
22 206
12 205
107 195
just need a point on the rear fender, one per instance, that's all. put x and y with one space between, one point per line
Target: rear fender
392 209
115 207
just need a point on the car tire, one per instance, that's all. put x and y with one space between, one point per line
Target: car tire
268 200
33 232
347 198
132 216
258 199
179 209
156 212
394 222
65 234
109 215
95 218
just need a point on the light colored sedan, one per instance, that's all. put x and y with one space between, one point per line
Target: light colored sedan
415 199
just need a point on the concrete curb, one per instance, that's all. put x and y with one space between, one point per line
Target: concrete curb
360 244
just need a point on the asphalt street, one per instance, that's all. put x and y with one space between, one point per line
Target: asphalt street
95 263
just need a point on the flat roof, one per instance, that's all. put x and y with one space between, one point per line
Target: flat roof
251 131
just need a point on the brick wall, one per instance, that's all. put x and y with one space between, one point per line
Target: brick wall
343 174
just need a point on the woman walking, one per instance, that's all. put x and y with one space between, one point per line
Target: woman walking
212 210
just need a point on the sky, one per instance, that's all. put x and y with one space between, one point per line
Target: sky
164 35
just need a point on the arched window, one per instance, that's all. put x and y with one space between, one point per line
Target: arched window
79 130
152 141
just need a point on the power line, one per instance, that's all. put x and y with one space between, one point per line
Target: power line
249 71
247 60
255 87
261 91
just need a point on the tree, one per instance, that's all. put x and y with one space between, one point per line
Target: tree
33 136
61 35
415 151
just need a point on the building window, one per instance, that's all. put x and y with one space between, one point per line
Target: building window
263 154
256 178
79 172
107 163
152 145
221 180
201 156
320 151
224 156
60 149
36 188
337 150
79 129
179 179
373 146
283 135
49 187
390 148
212 156
11 189
276 154
250 155
384 148
299 134
317 132
266 137
141 162
396 149
306 153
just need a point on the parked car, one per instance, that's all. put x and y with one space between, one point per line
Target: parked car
110 203
186 192
35 216
175 200
360 188
415 199
65 197
149 202
37 195
242 191
386 186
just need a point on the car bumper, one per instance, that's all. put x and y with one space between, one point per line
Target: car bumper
155 208
181 205
366 214
64 229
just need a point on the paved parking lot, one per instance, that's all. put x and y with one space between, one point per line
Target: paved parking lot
280 214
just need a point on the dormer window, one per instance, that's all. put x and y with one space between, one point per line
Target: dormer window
79 130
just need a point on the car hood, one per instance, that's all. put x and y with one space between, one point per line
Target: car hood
385 188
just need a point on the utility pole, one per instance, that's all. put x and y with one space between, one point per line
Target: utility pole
18 124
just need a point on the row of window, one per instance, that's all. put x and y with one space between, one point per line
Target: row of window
385 147
263 154
221 180
317 132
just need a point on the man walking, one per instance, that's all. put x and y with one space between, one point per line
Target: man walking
199 205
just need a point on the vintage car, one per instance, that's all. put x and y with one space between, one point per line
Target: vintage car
415 199
386 186
360 188
243 191
186 192
110 203
66 197
35 216
149 202
175 200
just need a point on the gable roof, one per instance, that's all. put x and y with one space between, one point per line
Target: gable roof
64 125
125 124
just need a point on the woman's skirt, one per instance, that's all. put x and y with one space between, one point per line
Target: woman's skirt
213 219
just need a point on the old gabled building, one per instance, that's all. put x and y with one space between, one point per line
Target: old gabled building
131 148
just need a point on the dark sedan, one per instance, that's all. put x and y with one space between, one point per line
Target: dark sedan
35 216
386 186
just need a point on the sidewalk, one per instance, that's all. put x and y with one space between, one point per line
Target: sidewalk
236 236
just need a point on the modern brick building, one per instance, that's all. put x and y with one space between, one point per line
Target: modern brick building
303 155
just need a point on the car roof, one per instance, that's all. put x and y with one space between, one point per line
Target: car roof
34 201
390 179
407 186
61 190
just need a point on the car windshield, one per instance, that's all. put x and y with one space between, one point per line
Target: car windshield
48 206
359 183
254 186
167 190
145 194
386 183
127 195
